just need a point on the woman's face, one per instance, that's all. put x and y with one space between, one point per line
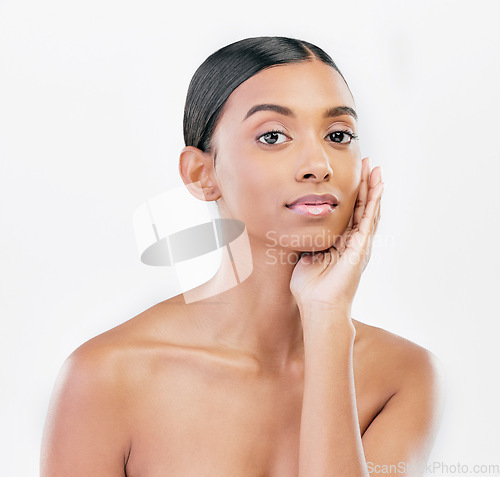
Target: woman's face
261 174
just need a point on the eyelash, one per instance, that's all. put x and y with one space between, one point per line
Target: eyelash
353 136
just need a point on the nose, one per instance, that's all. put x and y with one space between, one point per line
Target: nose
313 164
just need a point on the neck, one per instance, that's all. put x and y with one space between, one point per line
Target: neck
256 312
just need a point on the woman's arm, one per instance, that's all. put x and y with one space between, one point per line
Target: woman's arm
330 442
324 286
86 430
399 439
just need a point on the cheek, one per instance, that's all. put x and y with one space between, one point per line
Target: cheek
240 170
236 178
239 181
352 190
350 183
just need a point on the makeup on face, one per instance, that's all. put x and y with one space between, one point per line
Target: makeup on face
314 205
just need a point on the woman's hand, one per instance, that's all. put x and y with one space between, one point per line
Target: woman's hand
328 280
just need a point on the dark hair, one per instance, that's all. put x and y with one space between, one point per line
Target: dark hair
223 71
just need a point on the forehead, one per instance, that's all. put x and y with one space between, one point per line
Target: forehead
305 87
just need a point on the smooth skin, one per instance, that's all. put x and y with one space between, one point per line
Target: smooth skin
273 377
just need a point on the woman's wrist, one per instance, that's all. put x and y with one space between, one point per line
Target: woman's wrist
334 323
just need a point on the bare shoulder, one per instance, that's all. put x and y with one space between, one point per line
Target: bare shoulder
409 381
116 360
395 360
92 410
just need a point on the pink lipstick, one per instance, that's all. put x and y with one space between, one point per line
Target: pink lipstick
314 205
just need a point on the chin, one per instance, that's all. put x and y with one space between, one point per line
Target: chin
302 241
307 248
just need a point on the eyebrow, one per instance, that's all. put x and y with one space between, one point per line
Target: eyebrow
329 112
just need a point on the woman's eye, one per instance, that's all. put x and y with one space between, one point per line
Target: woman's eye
272 137
342 137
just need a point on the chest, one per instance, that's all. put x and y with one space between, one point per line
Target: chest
234 426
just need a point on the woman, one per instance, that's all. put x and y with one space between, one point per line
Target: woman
271 377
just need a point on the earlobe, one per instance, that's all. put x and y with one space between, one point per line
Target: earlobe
197 171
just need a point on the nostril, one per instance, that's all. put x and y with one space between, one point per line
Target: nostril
309 176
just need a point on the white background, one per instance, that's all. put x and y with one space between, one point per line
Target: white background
91 102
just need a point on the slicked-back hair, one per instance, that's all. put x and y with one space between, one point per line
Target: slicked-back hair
223 71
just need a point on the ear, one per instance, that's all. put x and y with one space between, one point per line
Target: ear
197 171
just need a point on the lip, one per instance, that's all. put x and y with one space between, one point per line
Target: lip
314 205
315 199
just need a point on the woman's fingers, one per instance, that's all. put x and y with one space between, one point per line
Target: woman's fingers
375 180
377 216
360 205
370 216
366 214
